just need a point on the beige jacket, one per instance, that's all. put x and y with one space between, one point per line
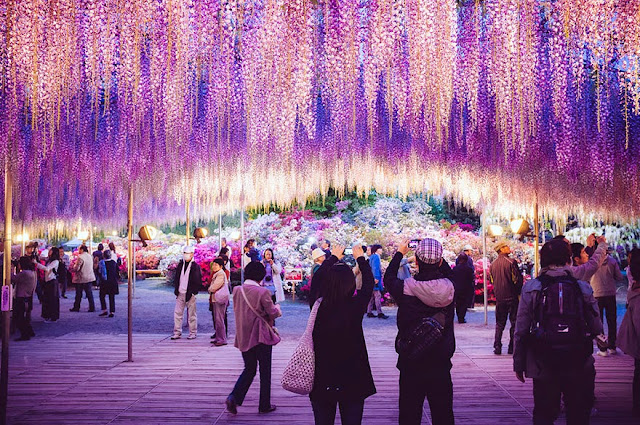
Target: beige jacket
83 269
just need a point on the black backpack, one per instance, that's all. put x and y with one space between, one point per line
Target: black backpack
560 328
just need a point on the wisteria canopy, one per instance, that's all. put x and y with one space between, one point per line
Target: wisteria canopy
247 102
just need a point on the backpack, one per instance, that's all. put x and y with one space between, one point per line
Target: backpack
419 340
560 329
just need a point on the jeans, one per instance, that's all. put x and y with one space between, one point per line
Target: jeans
50 300
324 412
375 300
607 306
575 386
504 310
432 381
261 354
86 287
21 311
103 301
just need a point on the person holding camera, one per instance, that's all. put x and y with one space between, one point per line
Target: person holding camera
272 279
343 376
425 341
83 277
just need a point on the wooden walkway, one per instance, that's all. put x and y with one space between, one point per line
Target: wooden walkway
82 379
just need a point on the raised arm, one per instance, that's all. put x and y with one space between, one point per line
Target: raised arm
394 285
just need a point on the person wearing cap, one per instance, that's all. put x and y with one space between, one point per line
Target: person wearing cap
319 257
187 282
219 300
603 283
507 285
428 294
468 251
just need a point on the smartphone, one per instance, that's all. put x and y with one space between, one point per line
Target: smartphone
348 251
413 243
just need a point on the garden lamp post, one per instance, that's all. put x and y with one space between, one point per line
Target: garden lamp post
6 292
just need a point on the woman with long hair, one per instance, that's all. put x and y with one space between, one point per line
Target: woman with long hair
272 280
629 333
342 373
50 294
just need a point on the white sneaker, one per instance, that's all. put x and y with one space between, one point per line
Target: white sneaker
176 336
191 336
612 351
603 353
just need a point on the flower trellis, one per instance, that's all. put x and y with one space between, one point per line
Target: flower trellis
241 102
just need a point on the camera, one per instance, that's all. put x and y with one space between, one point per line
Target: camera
413 243
348 251
268 279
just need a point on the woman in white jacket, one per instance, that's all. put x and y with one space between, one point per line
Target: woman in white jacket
272 279
50 299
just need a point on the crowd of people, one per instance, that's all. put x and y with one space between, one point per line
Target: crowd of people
555 318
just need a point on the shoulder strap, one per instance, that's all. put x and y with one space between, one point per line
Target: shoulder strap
312 317
254 310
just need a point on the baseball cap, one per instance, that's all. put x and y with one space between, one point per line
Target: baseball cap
429 251
188 249
467 248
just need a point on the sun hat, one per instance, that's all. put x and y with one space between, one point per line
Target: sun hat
317 253
429 251
188 249
500 245
467 248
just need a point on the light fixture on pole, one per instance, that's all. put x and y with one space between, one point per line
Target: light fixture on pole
495 230
520 226
200 233
83 235
146 233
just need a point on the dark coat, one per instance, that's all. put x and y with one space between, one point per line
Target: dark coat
195 280
411 311
464 279
506 278
319 276
342 371
110 286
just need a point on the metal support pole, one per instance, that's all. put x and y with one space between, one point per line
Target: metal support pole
220 232
242 245
6 315
188 227
484 268
91 239
536 234
130 277
133 264
23 240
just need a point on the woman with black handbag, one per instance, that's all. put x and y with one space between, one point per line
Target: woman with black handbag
342 373
50 294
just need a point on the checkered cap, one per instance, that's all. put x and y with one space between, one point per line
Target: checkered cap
429 251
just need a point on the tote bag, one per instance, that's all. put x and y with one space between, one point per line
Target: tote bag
299 373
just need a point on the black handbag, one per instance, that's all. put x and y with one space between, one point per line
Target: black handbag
419 340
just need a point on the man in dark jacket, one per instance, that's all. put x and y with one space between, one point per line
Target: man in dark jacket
428 294
463 278
187 282
507 284
569 372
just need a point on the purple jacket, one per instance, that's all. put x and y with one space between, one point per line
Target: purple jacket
251 330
